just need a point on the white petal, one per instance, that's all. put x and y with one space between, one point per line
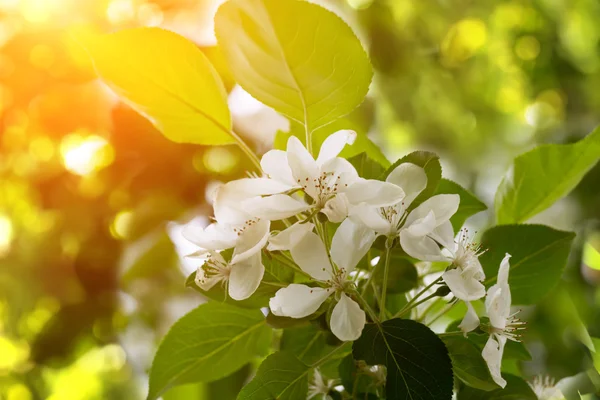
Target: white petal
252 240
444 235
298 301
339 170
289 237
411 178
245 277
463 287
350 243
347 319
334 144
213 237
492 354
311 256
374 193
304 168
205 282
420 247
422 226
336 209
274 163
503 270
275 207
497 305
443 206
371 217
471 321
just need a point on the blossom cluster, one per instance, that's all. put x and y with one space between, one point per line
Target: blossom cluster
311 198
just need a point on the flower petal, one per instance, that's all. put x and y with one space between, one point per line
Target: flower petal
503 270
336 208
492 354
334 144
338 171
471 321
347 319
374 193
298 301
311 256
371 217
443 206
422 226
420 247
304 168
274 163
275 207
411 178
497 305
444 235
214 237
289 237
204 281
251 240
350 243
463 287
245 277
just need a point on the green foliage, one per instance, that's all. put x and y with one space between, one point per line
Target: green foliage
469 204
294 56
181 94
516 388
366 167
307 343
539 254
417 361
403 275
280 376
468 364
543 175
207 344
430 162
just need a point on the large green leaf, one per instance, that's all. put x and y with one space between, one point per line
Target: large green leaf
181 93
308 342
295 56
539 255
207 344
417 361
366 167
281 376
469 365
469 204
543 175
516 389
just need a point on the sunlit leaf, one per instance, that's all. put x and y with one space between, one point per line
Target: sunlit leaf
543 175
539 255
469 204
207 344
168 79
366 167
294 56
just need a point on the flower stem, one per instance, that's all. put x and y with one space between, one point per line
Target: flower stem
366 306
290 264
386 271
410 305
441 313
446 334
246 149
405 310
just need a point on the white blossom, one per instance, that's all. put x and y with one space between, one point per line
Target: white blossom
545 388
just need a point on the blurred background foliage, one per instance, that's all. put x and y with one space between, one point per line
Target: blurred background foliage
92 197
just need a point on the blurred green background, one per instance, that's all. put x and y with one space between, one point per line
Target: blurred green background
92 196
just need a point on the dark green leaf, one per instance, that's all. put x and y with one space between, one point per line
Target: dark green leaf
539 254
207 344
516 389
469 365
469 204
366 167
543 175
417 361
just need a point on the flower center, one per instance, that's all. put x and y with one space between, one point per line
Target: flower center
514 327
214 269
238 230
467 251
393 214
326 186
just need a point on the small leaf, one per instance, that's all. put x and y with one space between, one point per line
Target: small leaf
430 162
543 175
366 167
207 344
469 365
294 56
516 389
281 376
417 361
181 94
469 204
539 255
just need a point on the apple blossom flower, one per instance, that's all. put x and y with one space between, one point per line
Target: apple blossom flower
320 386
350 243
331 182
545 388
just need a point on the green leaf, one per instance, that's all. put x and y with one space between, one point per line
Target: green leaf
516 389
354 380
207 344
543 175
294 56
469 365
539 255
181 94
281 376
430 162
366 167
469 204
403 275
307 343
417 361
